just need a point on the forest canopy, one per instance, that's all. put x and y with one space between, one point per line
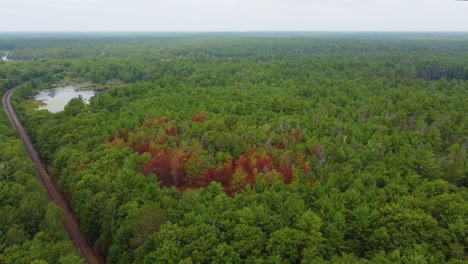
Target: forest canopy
31 229
256 148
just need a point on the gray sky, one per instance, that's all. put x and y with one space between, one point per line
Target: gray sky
233 15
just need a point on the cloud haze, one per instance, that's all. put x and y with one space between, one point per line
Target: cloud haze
233 15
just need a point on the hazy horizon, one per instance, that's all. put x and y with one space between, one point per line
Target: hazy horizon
235 31
233 16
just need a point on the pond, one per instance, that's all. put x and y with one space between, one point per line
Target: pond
56 99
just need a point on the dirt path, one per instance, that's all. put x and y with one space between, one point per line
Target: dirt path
70 222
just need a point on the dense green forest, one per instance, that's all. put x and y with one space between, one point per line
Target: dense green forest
245 148
31 229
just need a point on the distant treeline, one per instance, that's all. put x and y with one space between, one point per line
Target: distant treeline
128 57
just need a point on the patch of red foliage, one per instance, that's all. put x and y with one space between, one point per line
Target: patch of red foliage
252 163
120 135
171 130
170 168
297 134
186 168
163 119
199 117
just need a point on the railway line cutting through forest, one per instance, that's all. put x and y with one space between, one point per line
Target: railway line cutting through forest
53 192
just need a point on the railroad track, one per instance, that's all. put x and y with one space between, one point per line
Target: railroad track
53 192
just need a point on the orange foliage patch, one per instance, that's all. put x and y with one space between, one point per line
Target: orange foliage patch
141 147
199 117
120 135
163 119
297 134
171 130
252 163
187 168
170 168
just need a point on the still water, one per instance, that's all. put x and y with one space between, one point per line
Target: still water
57 98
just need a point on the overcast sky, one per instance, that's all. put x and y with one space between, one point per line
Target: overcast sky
233 15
